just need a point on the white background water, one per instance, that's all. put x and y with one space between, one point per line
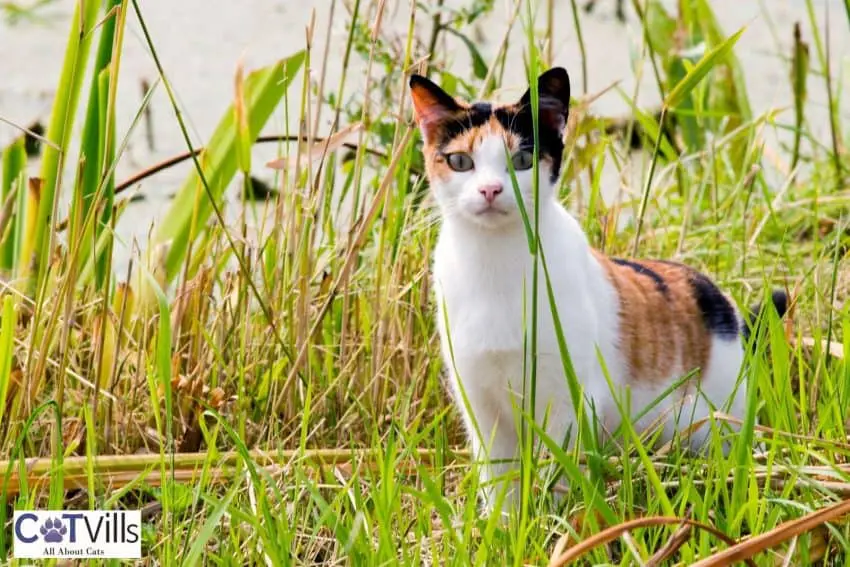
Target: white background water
201 41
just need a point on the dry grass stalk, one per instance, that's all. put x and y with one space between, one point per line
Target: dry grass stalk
744 550
319 149
676 541
612 533
120 470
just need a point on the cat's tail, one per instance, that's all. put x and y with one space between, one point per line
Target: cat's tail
779 300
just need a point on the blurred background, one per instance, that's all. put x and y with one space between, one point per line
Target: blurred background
200 45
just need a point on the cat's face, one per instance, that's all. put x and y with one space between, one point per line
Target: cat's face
468 147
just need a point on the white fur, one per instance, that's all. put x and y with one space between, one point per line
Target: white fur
483 278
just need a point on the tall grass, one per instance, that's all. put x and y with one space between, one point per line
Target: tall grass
279 400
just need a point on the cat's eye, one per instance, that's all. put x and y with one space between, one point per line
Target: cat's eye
522 160
459 161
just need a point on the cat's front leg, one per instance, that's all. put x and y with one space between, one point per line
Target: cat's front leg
494 445
498 470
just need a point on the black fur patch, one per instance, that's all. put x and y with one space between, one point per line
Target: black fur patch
484 108
475 117
717 313
778 298
660 284
520 123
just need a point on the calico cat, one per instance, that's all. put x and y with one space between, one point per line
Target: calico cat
652 321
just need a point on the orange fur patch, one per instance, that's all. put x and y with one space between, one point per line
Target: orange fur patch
662 330
470 139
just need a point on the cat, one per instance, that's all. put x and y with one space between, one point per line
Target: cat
652 321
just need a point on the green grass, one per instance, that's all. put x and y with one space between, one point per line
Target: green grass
281 402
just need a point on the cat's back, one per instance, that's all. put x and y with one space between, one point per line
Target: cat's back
671 317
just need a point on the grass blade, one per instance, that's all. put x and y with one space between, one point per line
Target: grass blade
799 74
13 166
209 527
8 321
263 89
98 141
711 59
38 231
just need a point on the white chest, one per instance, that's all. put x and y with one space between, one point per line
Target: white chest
482 307
485 301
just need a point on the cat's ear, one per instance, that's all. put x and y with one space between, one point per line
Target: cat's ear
553 95
431 104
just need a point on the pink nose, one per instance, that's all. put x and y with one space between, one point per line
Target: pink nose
491 191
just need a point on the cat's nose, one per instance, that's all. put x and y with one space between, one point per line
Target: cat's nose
490 191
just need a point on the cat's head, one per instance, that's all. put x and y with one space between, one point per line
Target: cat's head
467 148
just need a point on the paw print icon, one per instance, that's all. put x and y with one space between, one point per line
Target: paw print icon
53 530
